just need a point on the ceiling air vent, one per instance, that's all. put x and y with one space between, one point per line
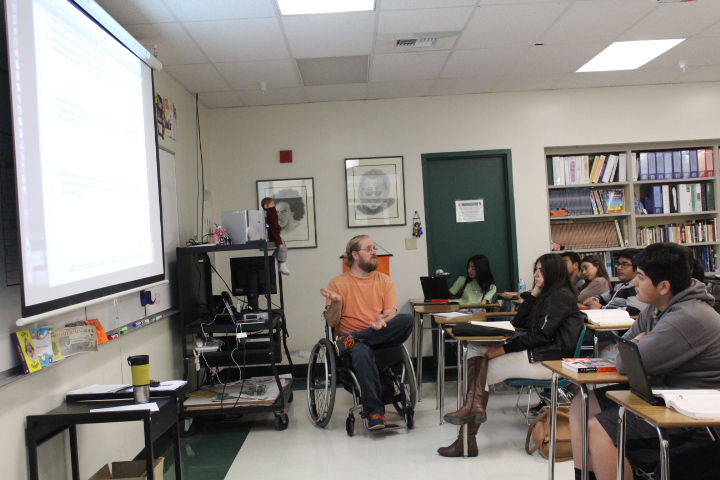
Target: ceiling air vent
416 42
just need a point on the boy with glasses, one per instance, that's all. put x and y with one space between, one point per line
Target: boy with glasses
622 296
362 306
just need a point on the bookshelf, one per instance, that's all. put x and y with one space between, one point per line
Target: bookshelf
596 211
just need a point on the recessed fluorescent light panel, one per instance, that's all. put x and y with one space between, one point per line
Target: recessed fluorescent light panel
304 7
628 55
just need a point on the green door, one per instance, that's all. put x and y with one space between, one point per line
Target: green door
487 175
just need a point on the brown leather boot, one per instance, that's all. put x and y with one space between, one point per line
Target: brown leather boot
477 395
455 449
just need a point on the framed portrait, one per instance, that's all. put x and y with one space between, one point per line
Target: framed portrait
295 204
375 191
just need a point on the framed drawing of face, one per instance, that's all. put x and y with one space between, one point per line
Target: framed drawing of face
375 191
295 204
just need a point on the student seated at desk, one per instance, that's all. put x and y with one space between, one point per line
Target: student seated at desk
678 335
479 285
596 278
553 322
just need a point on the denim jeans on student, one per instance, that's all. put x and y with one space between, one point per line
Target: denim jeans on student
363 361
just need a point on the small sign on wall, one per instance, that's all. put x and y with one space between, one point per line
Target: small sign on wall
470 210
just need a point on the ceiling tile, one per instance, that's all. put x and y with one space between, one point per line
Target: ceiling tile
248 75
556 59
522 83
420 21
220 99
703 73
198 78
333 70
462 86
510 25
239 40
198 10
675 20
174 45
482 62
399 89
129 12
415 4
395 67
694 51
336 93
648 76
338 35
610 18
282 96
587 79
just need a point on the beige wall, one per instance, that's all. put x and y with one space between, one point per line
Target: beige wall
44 390
243 144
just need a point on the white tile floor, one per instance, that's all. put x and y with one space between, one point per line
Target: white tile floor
304 451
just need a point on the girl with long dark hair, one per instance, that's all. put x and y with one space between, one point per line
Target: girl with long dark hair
479 285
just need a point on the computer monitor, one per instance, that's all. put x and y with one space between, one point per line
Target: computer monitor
248 279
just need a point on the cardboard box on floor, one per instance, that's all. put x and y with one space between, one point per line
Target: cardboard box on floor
129 471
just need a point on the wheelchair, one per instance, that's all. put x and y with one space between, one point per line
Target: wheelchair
327 372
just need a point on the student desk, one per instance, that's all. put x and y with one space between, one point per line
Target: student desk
421 308
443 323
582 380
595 329
41 428
659 417
462 368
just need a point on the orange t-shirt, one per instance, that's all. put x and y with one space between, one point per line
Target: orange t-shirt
363 299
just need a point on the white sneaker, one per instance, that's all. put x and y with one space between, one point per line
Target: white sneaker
283 268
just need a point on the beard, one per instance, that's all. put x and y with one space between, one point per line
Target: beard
368 266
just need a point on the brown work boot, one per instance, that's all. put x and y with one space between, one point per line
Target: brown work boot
477 395
455 449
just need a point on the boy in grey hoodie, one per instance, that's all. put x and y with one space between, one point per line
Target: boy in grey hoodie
678 335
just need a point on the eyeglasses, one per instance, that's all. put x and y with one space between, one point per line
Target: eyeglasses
624 265
374 248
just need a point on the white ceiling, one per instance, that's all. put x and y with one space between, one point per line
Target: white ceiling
223 49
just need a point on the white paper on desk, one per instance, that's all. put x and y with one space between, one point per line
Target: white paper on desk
118 387
452 314
169 386
135 406
504 325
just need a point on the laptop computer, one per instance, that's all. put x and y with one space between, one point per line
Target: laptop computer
436 289
635 371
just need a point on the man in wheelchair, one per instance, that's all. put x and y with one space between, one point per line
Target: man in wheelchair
362 308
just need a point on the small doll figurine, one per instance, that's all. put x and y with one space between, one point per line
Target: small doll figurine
274 229
417 230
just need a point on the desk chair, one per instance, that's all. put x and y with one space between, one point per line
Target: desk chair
531 383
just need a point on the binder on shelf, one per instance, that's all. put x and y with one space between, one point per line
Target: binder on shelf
660 165
702 171
677 164
673 199
600 167
666 198
622 167
668 165
652 166
693 164
685 157
710 196
558 171
709 165
643 166
652 198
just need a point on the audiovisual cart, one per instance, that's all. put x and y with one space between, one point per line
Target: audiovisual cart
204 316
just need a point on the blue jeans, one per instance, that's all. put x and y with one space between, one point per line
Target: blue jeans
398 330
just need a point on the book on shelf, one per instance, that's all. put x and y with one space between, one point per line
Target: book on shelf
585 236
612 317
619 233
101 335
42 337
610 168
77 339
25 346
600 159
588 365
622 167
614 201
699 404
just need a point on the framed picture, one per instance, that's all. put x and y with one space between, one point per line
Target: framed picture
295 204
375 191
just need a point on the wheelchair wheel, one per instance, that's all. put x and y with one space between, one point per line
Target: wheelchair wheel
350 425
405 386
321 382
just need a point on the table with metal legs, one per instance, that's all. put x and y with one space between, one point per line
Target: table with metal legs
583 381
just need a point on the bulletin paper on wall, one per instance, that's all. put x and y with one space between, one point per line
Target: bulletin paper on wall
470 210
